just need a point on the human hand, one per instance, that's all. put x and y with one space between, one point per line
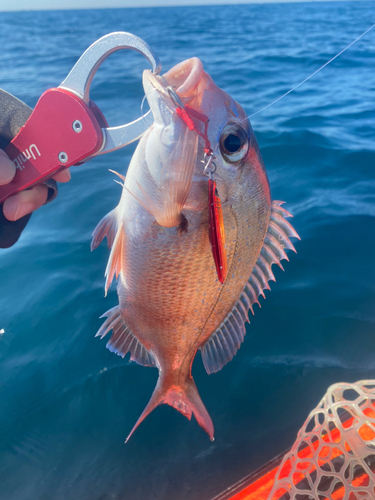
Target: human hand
26 201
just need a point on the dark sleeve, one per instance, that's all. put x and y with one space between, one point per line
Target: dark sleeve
13 114
11 231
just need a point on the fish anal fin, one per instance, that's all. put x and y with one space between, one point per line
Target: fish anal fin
225 341
184 398
107 227
122 339
114 266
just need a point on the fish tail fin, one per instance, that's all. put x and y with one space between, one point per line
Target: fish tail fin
193 400
184 398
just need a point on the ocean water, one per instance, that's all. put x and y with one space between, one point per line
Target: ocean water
67 403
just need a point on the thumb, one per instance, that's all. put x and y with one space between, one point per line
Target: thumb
7 168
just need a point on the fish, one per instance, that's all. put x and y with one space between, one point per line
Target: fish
175 296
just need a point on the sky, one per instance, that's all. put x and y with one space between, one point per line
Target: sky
96 4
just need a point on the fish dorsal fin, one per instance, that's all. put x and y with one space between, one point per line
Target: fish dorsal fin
114 266
224 343
122 339
107 227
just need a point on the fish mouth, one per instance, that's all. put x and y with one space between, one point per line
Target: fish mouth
185 77
175 87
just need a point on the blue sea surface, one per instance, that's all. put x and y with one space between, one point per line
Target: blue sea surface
66 402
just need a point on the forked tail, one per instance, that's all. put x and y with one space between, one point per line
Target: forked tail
184 397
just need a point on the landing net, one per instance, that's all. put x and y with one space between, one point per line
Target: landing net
333 457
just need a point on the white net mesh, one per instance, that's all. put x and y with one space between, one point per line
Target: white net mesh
334 454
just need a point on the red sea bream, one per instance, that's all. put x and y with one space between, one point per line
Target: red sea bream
171 302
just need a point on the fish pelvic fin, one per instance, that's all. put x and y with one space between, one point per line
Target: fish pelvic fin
107 227
184 398
225 341
115 261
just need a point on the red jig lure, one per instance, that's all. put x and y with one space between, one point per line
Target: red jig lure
216 231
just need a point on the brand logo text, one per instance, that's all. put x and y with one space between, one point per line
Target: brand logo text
21 159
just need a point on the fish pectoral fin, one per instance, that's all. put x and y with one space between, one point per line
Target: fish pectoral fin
226 340
122 339
155 206
115 261
122 177
107 227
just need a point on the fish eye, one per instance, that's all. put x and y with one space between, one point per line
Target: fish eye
233 143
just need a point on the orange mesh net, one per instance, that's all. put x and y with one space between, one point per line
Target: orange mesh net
333 457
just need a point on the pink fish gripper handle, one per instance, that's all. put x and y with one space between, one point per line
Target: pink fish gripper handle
61 131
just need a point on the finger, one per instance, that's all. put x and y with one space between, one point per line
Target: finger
62 176
7 168
25 202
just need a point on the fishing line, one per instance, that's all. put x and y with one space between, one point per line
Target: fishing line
313 74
